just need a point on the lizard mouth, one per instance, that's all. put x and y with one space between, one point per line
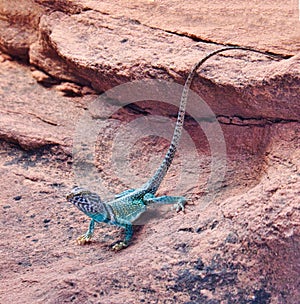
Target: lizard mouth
69 196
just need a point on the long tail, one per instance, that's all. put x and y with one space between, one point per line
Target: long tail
154 182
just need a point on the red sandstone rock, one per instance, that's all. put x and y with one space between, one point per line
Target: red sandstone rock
242 247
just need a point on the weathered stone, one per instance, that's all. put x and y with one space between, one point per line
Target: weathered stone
258 24
31 116
70 89
18 26
43 78
239 244
251 87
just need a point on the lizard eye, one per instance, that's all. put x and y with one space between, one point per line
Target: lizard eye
74 192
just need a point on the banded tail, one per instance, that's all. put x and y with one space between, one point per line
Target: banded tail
154 182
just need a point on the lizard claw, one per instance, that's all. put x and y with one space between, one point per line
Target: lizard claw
84 239
119 245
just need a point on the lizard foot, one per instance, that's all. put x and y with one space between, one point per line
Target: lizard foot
84 239
119 245
180 206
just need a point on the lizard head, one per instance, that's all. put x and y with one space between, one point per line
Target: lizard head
77 192
85 200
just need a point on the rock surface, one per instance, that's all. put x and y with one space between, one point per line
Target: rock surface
237 244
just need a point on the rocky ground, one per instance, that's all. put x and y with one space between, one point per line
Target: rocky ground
239 239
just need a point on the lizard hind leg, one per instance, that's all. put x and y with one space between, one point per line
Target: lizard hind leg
178 201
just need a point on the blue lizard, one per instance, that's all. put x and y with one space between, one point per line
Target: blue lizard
127 206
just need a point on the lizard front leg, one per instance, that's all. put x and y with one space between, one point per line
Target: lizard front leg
128 236
85 238
178 201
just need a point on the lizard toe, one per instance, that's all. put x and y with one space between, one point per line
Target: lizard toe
119 245
83 239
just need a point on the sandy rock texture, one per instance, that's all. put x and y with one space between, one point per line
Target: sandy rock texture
239 239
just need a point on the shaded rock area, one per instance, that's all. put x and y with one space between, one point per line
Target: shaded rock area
238 241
